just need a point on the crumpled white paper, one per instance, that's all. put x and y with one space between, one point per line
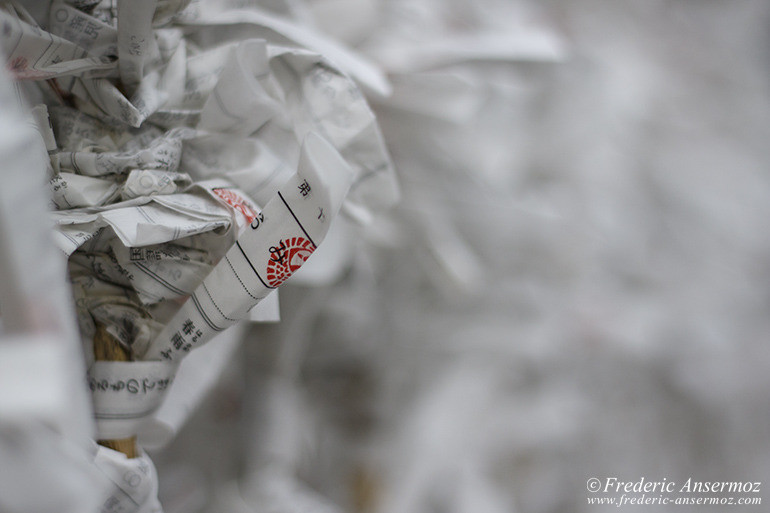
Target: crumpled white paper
166 144
134 482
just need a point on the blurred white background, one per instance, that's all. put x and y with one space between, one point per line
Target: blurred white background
574 285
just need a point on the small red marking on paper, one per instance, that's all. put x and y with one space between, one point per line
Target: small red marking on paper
288 257
18 65
237 201
20 70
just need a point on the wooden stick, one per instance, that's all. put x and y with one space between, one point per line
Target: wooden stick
365 489
106 348
125 445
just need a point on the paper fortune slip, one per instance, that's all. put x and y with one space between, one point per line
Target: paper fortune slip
280 239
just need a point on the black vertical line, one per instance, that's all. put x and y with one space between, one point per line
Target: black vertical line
295 218
252 266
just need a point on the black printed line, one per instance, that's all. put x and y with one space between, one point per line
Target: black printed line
252 266
295 218
215 304
71 239
239 279
74 163
140 209
48 48
203 313
160 280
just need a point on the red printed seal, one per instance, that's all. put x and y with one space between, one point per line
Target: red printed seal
287 257
236 201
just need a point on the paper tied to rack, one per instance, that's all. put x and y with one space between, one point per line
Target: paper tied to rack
279 241
171 135
125 393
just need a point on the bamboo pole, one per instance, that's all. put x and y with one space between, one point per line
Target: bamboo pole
106 348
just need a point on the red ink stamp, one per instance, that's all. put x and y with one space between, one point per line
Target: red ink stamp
287 257
238 202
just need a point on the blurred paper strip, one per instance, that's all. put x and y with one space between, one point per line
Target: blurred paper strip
192 382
